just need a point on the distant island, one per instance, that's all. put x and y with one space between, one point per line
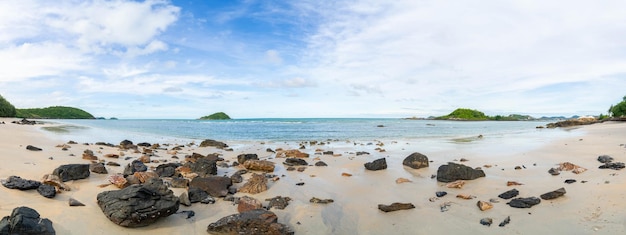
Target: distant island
464 114
54 112
216 116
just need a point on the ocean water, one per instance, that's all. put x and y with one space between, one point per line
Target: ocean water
301 129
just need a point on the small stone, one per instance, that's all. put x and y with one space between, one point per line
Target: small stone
321 163
554 194
465 196
321 201
518 167
483 206
513 183
440 193
505 221
74 202
395 207
509 194
402 180
605 158
486 221
456 184
524 202
554 171
183 199
570 181
346 174
33 148
300 183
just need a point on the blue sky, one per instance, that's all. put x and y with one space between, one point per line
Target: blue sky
317 58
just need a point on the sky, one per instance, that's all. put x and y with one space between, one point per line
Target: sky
313 58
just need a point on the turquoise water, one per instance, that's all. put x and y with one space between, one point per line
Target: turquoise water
298 130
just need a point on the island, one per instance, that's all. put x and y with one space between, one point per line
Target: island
216 116
54 112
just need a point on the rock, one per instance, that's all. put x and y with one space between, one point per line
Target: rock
300 183
118 180
178 182
213 143
486 221
55 181
16 182
88 155
378 164
197 195
113 164
242 158
295 162
416 161
257 221
456 184
605 159
452 172
301 169
167 170
184 200
465 196
506 221
72 172
509 194
47 190
27 221
111 155
321 163
527 202
570 181
259 165
33 148
256 184
613 165
483 206
554 194
248 203
440 193
144 159
294 153
513 183
74 202
135 166
204 167
145 176
568 166
321 201
216 186
395 207
554 171
518 167
402 180
138 205
278 202
132 179
346 174
236 178
98 168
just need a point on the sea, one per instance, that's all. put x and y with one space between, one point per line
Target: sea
429 133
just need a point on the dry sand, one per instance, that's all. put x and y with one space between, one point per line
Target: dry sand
594 207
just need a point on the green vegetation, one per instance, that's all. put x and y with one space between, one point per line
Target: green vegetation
216 116
54 112
465 114
619 109
6 108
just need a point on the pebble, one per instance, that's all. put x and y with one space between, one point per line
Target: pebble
486 221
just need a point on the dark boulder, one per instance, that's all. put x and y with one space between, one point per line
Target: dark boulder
321 163
241 158
278 202
509 194
135 166
554 171
216 186
378 164
204 167
138 205
33 148
179 182
395 206
441 193
127 144
605 158
98 168
167 170
47 190
613 165
27 221
213 143
554 194
197 195
295 162
72 172
257 221
16 182
527 202
416 161
453 172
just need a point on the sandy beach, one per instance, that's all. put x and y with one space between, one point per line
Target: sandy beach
592 207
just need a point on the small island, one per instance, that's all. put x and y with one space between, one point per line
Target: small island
464 114
54 112
216 116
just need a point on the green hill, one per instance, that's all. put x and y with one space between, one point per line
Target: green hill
54 112
216 116
6 108
465 114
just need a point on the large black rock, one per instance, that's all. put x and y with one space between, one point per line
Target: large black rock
378 164
241 158
453 172
416 161
258 221
509 194
554 194
526 202
47 190
72 172
16 182
295 162
216 186
204 167
138 205
167 170
213 143
135 166
27 221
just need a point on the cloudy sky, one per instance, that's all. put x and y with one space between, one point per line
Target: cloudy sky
313 58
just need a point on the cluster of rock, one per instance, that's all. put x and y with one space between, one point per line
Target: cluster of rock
24 122
607 163
25 220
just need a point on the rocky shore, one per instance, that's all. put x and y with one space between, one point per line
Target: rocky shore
313 187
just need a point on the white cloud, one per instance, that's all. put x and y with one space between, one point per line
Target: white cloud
296 82
273 57
36 60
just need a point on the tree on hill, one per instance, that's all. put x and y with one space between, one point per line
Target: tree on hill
619 109
216 116
54 112
465 114
6 108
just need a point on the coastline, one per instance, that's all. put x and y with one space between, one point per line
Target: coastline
587 208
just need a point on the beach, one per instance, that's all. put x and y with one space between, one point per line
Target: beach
592 207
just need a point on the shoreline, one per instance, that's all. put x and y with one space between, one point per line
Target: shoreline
587 208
